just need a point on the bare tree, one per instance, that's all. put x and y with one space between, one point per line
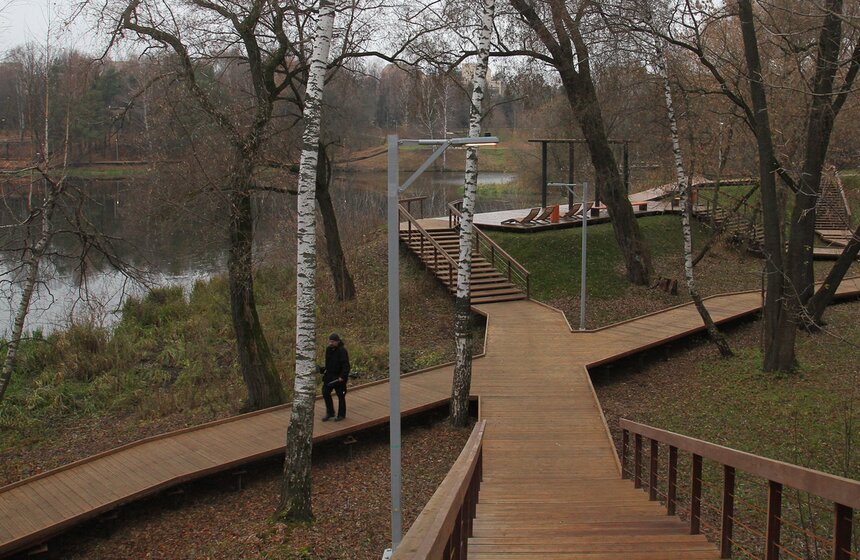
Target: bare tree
269 76
295 500
463 310
684 186
559 27
816 57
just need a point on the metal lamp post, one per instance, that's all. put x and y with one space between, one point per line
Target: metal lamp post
394 190
569 187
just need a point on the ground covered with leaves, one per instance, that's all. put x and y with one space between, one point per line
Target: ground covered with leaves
810 417
212 519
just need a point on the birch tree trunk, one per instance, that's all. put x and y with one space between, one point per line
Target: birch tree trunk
32 266
295 502
686 207
462 307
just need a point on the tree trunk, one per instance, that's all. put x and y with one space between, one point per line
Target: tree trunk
637 258
255 359
818 303
32 268
570 56
343 284
295 502
463 310
779 323
686 209
818 131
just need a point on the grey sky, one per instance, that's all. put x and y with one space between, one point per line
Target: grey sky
22 21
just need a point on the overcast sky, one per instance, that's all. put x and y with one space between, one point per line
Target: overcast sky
27 20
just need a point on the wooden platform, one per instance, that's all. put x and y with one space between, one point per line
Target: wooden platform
551 473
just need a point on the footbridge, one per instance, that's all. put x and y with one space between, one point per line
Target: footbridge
552 481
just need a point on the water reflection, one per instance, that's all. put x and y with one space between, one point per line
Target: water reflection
174 235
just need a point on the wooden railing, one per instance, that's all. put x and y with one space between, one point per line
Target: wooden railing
427 243
408 202
444 526
769 530
490 250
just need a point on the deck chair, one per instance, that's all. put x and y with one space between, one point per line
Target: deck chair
545 214
585 209
528 218
572 212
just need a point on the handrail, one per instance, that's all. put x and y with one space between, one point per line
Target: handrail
408 203
752 222
445 524
513 266
842 492
426 237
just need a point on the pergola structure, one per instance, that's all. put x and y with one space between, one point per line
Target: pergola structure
571 156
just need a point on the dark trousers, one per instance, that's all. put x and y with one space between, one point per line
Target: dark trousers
340 390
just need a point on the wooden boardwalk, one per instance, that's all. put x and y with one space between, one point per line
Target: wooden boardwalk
551 473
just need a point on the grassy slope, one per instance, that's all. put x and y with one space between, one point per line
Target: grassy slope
171 361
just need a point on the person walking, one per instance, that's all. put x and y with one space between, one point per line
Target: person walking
335 377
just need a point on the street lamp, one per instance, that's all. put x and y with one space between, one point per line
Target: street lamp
569 187
394 190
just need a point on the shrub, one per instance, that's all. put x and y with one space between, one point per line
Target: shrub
156 308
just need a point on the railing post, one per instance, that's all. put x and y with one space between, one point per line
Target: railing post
672 481
696 495
774 514
464 525
625 443
728 511
652 479
455 539
637 461
842 518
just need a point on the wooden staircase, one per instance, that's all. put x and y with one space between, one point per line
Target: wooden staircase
832 214
439 250
737 228
831 210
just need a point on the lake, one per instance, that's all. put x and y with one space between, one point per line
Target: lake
182 238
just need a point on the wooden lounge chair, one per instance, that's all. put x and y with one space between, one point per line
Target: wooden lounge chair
572 211
545 214
527 219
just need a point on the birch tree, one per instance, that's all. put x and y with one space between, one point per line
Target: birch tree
295 503
685 188
463 312
33 255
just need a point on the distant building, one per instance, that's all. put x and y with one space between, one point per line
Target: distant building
494 87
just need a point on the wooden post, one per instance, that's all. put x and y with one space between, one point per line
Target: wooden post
456 537
543 173
774 512
625 443
842 518
626 158
672 481
728 511
652 480
696 495
637 461
570 162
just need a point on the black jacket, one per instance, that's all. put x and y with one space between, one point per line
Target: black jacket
336 363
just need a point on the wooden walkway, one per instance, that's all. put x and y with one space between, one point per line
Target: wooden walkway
551 472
